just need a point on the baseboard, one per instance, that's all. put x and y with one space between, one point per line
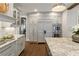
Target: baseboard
35 42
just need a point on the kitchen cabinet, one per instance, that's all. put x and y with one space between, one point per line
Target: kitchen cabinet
20 44
16 13
13 48
8 50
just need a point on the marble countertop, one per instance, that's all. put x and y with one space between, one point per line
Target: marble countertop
18 36
8 42
62 46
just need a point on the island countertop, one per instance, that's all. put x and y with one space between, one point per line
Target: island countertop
62 46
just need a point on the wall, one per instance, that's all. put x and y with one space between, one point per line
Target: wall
4 24
5 28
69 19
36 19
64 24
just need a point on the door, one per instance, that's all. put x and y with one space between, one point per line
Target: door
44 26
37 30
40 32
33 32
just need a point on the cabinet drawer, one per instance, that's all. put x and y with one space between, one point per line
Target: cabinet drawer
8 50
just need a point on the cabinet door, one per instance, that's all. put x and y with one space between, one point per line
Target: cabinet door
8 50
20 45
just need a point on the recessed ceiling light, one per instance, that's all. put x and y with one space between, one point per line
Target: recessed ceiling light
59 8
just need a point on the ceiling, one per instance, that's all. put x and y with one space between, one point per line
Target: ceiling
29 7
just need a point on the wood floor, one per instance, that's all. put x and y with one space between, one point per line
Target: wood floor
35 49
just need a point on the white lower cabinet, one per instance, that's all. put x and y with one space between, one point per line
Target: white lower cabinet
14 48
20 45
8 50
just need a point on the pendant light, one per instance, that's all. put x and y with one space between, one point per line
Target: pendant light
59 7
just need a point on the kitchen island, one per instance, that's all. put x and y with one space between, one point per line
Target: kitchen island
62 46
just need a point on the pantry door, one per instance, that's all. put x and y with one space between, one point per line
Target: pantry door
44 26
40 32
